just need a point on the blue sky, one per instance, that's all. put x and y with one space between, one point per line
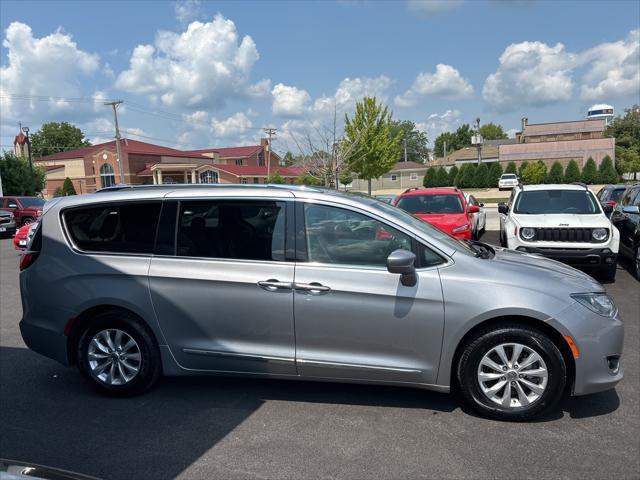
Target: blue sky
195 74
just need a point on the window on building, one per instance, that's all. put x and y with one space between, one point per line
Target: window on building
120 228
394 178
339 236
261 159
238 161
209 176
256 180
243 180
107 175
414 176
243 230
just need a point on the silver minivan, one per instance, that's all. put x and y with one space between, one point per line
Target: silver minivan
302 283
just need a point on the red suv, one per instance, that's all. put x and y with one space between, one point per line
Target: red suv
444 208
25 209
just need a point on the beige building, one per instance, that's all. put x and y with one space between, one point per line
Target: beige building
402 175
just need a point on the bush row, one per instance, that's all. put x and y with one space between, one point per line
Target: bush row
486 175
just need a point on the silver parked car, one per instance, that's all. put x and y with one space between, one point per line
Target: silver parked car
302 283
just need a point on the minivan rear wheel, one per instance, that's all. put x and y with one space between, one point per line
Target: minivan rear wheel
118 354
511 372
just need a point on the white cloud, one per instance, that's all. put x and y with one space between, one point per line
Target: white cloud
351 90
438 123
202 66
235 125
530 74
613 69
289 101
430 7
187 10
445 82
52 65
199 120
135 131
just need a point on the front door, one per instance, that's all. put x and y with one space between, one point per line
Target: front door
223 293
354 319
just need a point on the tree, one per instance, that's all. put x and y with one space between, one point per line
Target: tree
453 173
495 172
626 130
572 173
522 167
68 188
416 141
308 179
511 168
491 131
17 176
590 172
288 159
455 140
534 173
430 178
607 172
346 177
630 161
481 176
54 137
442 177
275 178
556 174
467 175
374 149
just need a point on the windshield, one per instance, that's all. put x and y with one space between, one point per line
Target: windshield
508 176
433 203
31 201
556 201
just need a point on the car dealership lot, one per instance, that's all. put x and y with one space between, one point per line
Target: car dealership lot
244 428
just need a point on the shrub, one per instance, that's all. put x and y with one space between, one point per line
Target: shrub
430 177
511 168
495 171
453 173
308 179
534 173
442 178
468 175
572 173
590 172
522 168
556 174
68 188
607 172
481 176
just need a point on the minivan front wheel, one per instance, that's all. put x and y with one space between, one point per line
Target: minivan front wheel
118 355
511 373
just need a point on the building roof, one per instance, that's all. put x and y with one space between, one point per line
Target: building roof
20 139
230 152
555 128
408 166
467 154
557 149
258 171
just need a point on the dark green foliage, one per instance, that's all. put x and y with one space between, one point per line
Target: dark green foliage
455 141
492 131
54 137
607 172
572 173
416 141
275 178
430 177
68 188
309 180
511 168
442 178
467 176
522 168
17 177
590 172
495 171
453 173
482 176
556 174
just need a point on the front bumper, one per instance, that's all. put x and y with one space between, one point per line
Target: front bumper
599 341
8 228
577 257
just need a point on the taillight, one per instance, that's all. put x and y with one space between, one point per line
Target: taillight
612 203
27 259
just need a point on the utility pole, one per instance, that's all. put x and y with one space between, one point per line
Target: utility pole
115 117
478 140
445 149
405 148
269 131
26 131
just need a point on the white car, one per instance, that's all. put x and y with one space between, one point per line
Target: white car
479 220
508 181
563 222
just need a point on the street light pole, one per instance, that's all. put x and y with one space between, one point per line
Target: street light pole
26 131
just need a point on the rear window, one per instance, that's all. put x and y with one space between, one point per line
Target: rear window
436 203
28 202
556 201
118 228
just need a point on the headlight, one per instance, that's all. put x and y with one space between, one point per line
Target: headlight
599 303
527 233
461 228
599 234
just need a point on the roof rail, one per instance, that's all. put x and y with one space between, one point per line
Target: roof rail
411 189
580 184
121 186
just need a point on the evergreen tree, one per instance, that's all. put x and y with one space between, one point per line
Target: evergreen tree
468 174
442 178
607 172
511 168
453 173
590 172
522 168
482 176
534 173
572 173
556 174
430 178
68 188
495 171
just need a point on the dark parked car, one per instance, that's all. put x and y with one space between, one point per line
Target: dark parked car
7 223
610 194
25 209
626 218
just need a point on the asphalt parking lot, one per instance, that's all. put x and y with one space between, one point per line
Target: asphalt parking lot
246 428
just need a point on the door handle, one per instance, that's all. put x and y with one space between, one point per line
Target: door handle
313 287
272 285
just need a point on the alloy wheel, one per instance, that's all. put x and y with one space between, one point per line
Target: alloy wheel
512 375
114 357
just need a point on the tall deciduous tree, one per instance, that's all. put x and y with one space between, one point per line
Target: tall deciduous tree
455 140
626 130
18 178
54 137
373 149
416 141
492 131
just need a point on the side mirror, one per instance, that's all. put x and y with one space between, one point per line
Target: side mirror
633 209
482 204
502 208
608 209
473 209
402 262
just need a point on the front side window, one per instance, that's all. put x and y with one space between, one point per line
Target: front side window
338 236
121 228
107 175
540 202
436 203
243 230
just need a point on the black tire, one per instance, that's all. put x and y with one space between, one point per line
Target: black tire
635 263
150 367
608 273
482 343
